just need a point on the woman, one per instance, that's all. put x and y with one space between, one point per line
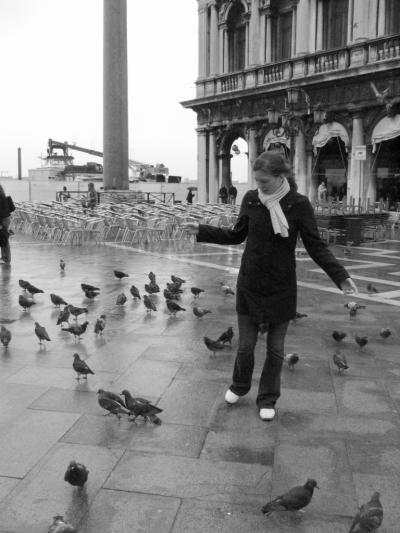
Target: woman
271 218
92 196
6 208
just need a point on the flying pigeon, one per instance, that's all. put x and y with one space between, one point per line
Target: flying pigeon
62 265
63 316
76 311
168 295
226 289
118 274
295 499
86 287
226 336
149 304
340 361
175 279
371 289
76 329
57 300
76 474
135 293
338 335
23 284
111 403
25 302
214 346
385 333
41 333
5 336
80 367
361 341
369 517
100 325
33 290
141 407
291 359
196 291
60 526
173 307
200 312
121 299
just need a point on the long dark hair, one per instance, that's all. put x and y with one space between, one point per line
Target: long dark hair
276 165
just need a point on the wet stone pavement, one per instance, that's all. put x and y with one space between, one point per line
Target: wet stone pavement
208 467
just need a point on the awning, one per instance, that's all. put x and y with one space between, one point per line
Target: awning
276 136
326 132
386 129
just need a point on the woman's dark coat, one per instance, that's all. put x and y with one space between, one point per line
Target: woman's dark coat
266 285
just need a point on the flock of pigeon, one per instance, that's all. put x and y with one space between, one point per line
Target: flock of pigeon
370 515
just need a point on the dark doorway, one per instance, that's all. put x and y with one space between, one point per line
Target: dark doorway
331 168
386 166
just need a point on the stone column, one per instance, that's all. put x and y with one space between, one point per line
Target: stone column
226 50
303 25
262 39
225 169
268 31
252 149
319 26
357 167
214 38
202 40
202 166
311 180
381 18
360 20
213 168
312 25
370 177
254 34
300 163
221 39
115 96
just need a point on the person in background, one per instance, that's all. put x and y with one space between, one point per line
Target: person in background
322 191
271 218
223 194
6 208
91 196
232 194
190 196
65 195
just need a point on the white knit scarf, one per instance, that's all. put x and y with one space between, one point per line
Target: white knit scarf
271 202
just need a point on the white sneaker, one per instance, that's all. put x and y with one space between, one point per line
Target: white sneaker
267 413
231 397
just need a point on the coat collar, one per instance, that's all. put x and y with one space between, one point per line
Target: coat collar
286 202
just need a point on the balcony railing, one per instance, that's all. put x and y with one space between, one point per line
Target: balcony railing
367 53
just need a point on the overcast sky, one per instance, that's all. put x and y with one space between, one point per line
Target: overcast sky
51 69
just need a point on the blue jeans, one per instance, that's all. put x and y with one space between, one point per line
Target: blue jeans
269 389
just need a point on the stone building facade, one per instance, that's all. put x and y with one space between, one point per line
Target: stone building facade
341 57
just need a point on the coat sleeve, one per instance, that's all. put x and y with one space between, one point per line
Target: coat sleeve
317 248
236 235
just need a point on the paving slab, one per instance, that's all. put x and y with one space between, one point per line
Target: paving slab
69 401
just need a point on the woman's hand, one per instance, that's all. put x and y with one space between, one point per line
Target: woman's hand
191 228
348 286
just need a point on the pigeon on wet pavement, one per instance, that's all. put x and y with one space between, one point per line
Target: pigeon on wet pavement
226 289
291 360
214 346
173 307
370 516
24 302
23 284
371 289
121 299
353 307
149 304
33 290
76 311
76 474
111 403
41 333
60 526
91 295
100 325
119 275
151 276
5 336
168 295
340 361
226 336
76 329
176 279
339 335
196 291
57 300
63 316
81 368
200 312
299 316
135 292
175 287
86 287
151 288
62 265
142 407
295 499
361 340
385 333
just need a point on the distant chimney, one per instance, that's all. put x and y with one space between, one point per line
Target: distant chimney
19 164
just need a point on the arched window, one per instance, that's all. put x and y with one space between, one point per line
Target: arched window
335 17
392 17
236 37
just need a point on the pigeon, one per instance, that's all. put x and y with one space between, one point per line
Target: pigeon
91 295
100 325
76 311
174 287
33 290
151 288
25 302
149 304
361 341
338 335
23 284
112 403
168 295
385 333
62 265
347 250
76 329
295 499
175 279
214 346
57 300
118 274
340 361
86 287
60 526
152 276
41 333
121 299
141 407
173 307
5 336
226 289
226 336
76 474
369 517
371 289
291 359
196 291
63 316
200 312
135 292
354 307
298 315
80 367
